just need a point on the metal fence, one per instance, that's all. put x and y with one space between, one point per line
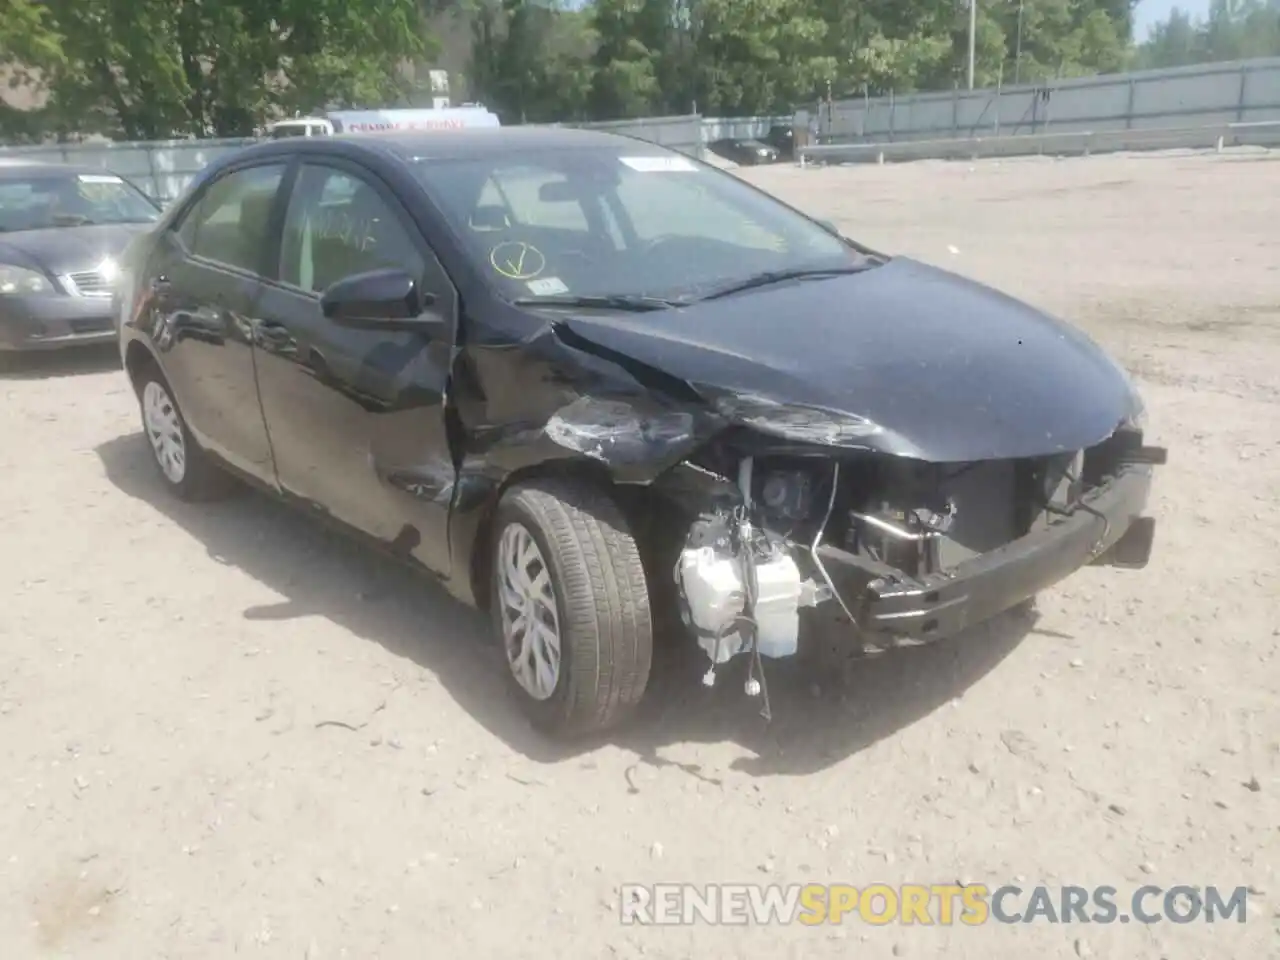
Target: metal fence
683 133
1257 133
164 168
1225 103
1206 95
160 168
739 128
691 133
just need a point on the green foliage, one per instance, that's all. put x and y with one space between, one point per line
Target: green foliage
26 36
1234 30
531 60
645 57
148 69
158 68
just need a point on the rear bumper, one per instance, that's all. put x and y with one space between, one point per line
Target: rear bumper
54 321
1112 531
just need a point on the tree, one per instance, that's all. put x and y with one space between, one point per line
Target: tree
531 59
158 68
28 46
148 69
27 40
758 56
1234 30
625 82
1174 43
1120 13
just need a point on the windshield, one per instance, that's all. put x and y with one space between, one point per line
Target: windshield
622 222
44 200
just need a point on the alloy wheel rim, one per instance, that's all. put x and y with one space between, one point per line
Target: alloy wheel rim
530 618
164 431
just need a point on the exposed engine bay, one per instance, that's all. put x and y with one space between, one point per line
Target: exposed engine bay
794 527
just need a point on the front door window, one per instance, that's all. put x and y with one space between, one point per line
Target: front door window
338 225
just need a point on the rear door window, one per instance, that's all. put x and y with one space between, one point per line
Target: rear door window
230 223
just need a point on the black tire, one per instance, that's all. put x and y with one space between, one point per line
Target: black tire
601 598
201 479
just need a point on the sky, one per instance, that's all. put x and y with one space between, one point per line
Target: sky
1150 12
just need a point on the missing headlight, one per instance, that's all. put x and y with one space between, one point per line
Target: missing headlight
786 495
740 586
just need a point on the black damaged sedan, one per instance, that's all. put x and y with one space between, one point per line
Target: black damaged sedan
586 382
62 231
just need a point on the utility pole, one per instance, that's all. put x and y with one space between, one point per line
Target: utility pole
973 30
1017 57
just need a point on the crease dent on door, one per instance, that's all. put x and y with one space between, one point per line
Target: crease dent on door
356 415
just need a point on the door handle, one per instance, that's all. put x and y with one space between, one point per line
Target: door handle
272 335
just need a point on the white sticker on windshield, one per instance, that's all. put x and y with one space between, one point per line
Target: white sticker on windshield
99 178
660 164
547 286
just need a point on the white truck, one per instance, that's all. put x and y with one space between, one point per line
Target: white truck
384 121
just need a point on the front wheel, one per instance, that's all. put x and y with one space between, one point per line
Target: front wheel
570 605
185 469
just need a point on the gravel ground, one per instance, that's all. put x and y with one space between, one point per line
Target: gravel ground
164 669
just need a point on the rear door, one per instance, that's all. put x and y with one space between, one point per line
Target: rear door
204 289
357 417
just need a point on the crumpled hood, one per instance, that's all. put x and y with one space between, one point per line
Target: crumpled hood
904 358
68 249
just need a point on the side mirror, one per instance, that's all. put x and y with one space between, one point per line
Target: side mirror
830 227
379 300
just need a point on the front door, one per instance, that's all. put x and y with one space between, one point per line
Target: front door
204 292
357 417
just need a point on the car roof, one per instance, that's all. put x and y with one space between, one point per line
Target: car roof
15 168
467 143
496 141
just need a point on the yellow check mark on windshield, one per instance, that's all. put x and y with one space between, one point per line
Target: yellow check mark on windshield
517 260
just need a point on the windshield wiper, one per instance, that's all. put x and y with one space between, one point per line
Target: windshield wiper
768 277
608 301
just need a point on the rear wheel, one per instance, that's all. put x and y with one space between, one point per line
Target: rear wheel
570 606
185 469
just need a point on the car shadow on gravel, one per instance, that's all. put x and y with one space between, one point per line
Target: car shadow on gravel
819 716
70 362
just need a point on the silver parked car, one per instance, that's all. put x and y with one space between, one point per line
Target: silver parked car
62 232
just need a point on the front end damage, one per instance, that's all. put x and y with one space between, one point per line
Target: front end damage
766 521
894 548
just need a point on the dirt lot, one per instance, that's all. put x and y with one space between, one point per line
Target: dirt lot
168 792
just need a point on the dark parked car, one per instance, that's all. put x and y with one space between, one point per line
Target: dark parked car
745 152
782 137
62 231
587 382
